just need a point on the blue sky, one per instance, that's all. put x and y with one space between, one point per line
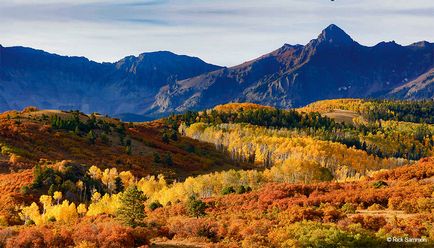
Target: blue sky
223 32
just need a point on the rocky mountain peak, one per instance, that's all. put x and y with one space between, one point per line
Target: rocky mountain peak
334 34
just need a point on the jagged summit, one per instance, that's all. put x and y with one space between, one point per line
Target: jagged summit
334 34
331 66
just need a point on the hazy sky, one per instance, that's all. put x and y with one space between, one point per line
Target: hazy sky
223 32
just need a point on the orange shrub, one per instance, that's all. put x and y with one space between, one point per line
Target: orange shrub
184 227
101 232
373 223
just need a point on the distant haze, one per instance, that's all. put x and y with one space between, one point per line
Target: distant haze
223 32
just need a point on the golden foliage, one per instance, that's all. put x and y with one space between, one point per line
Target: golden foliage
237 106
108 204
326 106
65 212
287 149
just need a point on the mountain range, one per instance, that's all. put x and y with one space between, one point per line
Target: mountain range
155 84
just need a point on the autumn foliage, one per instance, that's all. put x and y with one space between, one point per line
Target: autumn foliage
239 175
301 215
90 232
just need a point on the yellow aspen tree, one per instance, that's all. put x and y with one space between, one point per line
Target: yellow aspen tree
66 212
109 179
31 213
127 178
96 196
81 189
57 196
46 201
95 172
81 209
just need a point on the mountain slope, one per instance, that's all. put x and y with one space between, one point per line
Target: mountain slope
331 66
34 77
421 87
155 84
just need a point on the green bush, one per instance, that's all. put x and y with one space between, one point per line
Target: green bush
228 190
315 234
154 205
243 189
91 137
168 159
25 190
157 158
348 208
165 138
379 184
195 207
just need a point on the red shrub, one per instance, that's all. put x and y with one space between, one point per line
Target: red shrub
31 237
373 223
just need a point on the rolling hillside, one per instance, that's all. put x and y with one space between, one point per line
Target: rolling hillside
35 137
395 202
237 175
29 137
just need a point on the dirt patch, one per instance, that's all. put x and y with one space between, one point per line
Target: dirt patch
340 115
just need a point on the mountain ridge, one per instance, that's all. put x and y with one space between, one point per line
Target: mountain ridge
333 65
35 77
274 78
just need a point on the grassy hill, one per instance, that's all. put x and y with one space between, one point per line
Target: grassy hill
28 138
398 110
